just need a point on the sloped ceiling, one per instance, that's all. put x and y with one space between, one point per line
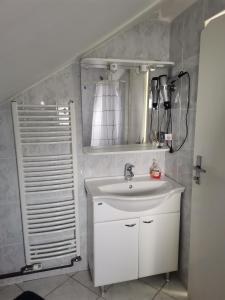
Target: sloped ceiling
39 36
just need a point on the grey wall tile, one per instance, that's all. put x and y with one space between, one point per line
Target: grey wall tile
113 165
10 224
6 105
185 167
185 88
8 181
190 129
11 258
7 147
191 65
43 91
193 25
64 82
176 40
176 117
171 165
146 40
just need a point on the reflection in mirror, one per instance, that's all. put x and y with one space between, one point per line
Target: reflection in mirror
117 105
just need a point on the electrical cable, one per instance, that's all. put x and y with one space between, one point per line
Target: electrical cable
168 121
169 125
150 127
162 120
180 75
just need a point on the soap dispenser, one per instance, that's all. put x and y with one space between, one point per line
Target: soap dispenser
155 171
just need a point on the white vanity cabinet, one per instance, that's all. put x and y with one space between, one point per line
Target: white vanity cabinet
116 251
158 244
135 248
132 236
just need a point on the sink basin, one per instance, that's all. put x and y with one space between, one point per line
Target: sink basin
139 194
135 189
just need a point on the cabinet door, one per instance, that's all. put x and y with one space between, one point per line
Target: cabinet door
158 244
115 251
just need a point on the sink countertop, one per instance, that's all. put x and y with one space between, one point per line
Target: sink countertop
101 187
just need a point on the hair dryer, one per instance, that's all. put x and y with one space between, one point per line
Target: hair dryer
164 91
155 91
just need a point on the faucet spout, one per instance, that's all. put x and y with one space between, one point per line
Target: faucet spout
128 171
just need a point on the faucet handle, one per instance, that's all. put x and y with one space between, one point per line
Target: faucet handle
129 166
128 172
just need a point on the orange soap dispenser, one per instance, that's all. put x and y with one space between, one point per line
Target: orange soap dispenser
155 171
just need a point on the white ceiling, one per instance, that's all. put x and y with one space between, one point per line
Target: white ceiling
39 36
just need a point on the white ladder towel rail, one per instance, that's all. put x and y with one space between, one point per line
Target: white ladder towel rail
45 137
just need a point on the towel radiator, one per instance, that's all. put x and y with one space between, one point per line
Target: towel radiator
45 137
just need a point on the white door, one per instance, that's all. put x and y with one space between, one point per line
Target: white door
207 246
158 244
115 251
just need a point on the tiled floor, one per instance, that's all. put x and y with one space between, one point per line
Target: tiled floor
78 286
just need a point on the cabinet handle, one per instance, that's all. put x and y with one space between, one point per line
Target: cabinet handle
130 225
148 222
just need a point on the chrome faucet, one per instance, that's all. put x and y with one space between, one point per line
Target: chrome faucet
128 172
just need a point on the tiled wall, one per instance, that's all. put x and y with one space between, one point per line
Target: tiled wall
11 239
113 165
184 50
145 40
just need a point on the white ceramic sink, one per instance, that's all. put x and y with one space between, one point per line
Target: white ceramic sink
141 193
134 189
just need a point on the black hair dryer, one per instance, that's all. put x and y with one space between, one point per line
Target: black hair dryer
164 91
155 92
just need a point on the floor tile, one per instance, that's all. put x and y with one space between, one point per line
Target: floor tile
84 278
10 292
43 286
156 281
71 290
173 288
131 290
72 274
162 296
176 290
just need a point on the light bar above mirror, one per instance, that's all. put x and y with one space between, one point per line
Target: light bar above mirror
105 63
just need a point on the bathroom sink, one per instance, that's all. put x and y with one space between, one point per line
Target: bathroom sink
135 189
140 193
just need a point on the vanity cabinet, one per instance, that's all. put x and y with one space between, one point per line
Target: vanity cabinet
116 251
134 248
130 237
158 244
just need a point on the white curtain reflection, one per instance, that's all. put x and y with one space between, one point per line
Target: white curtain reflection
107 114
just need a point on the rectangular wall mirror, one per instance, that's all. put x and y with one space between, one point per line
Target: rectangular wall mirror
117 102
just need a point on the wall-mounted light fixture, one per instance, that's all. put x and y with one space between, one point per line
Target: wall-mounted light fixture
144 68
113 67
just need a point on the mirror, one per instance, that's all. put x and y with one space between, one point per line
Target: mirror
116 104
